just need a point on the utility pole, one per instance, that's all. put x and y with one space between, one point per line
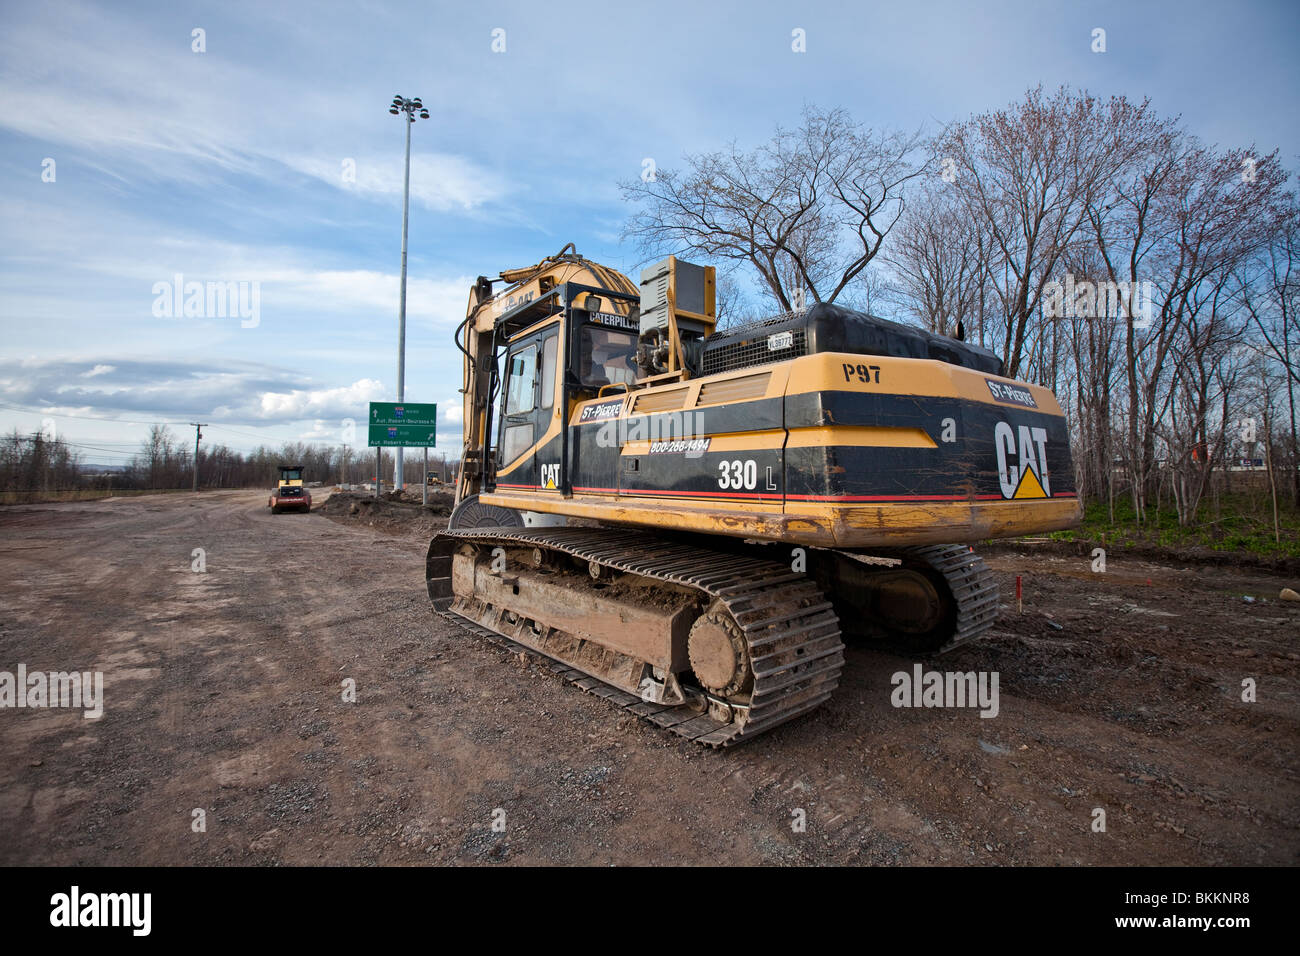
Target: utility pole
408 109
198 433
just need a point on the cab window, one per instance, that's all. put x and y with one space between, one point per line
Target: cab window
549 349
607 356
522 381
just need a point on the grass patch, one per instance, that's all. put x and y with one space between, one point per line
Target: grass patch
1243 524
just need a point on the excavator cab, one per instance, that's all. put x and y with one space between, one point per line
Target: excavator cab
574 345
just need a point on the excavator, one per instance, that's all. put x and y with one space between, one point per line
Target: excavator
689 522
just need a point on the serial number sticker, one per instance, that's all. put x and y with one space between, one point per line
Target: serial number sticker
780 340
1011 394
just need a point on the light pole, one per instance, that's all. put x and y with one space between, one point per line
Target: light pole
408 110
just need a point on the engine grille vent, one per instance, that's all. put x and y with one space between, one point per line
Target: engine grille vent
659 400
759 343
742 389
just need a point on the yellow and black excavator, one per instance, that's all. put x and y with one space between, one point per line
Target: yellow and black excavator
686 521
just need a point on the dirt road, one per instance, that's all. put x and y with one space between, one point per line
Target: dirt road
224 694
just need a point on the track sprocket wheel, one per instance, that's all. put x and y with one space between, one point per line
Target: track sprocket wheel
719 654
472 513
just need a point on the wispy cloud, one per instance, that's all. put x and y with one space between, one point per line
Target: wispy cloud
439 181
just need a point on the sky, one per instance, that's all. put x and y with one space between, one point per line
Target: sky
137 154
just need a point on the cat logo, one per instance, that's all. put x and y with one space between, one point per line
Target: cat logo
1022 461
550 477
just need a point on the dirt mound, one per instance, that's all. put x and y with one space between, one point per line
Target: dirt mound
397 512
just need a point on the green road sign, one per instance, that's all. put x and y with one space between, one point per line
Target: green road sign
402 436
403 413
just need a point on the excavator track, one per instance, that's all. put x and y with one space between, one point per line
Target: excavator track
791 633
972 585
919 600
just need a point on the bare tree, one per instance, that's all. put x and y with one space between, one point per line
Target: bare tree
1208 220
807 211
732 305
1027 174
940 259
1274 307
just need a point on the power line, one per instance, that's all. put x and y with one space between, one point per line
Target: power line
85 418
129 421
120 450
238 432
